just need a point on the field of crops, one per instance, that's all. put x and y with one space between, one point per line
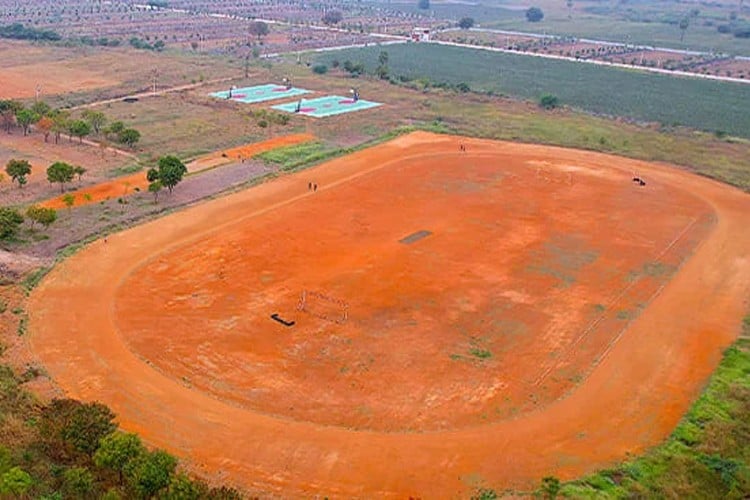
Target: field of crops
701 104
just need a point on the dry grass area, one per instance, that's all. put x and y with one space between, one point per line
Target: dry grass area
97 161
84 74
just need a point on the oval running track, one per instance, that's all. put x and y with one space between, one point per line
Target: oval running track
622 408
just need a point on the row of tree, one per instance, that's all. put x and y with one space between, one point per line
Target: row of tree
59 121
59 172
11 219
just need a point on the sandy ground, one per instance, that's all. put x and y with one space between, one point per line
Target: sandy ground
129 184
88 327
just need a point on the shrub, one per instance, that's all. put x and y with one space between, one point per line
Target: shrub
320 69
549 101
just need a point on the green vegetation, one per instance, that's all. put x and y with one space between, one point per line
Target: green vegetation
20 32
708 454
69 449
10 221
293 157
701 104
169 173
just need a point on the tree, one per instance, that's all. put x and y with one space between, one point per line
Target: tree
80 129
684 23
10 221
26 118
154 187
60 172
60 123
466 22
15 482
114 128
42 215
129 137
534 14
69 427
78 482
8 110
423 4
332 17
45 125
41 108
549 101
171 171
96 119
18 170
117 450
382 70
150 472
259 29
79 171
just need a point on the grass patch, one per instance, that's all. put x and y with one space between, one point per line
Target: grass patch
480 353
125 170
33 278
290 158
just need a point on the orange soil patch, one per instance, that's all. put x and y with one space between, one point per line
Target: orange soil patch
502 314
128 184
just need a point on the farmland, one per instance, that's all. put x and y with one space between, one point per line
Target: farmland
706 105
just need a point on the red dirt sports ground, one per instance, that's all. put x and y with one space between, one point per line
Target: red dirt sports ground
556 318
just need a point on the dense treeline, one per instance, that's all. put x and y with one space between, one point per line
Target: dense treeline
70 449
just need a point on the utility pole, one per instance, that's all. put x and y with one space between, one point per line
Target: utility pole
155 79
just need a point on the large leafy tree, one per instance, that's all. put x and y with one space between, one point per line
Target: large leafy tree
96 119
80 129
18 170
26 118
129 137
60 172
171 171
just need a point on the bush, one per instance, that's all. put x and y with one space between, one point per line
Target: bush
549 101
534 14
320 69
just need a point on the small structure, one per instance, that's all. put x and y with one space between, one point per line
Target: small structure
420 35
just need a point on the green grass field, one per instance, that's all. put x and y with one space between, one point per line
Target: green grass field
701 104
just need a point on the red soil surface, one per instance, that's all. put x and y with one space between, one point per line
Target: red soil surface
604 306
123 186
